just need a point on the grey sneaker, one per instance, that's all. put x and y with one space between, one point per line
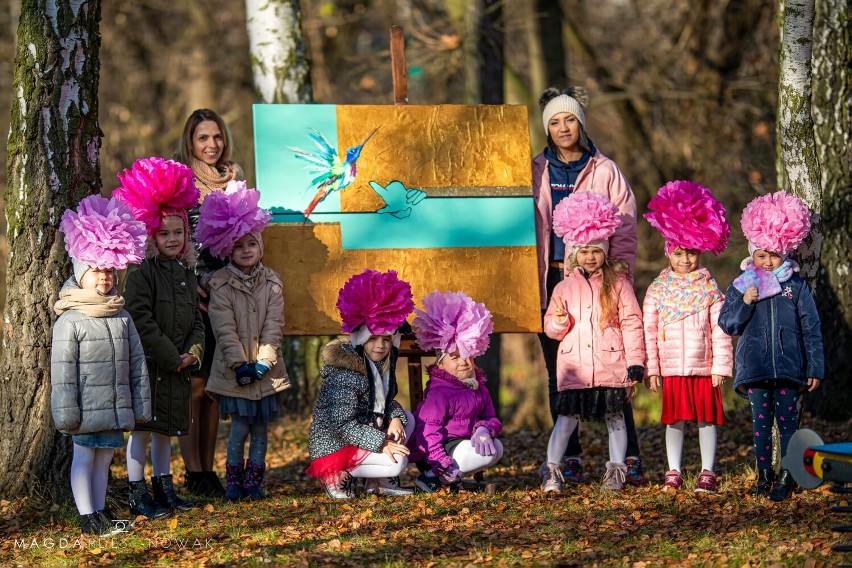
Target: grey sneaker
343 488
388 487
615 476
551 477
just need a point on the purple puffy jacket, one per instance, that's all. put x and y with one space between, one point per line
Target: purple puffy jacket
449 410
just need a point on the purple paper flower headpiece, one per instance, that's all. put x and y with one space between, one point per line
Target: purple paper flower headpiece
103 233
225 217
452 321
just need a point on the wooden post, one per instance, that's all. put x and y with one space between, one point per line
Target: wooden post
409 348
400 80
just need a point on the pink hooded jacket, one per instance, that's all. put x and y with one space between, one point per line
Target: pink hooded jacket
693 346
601 175
589 356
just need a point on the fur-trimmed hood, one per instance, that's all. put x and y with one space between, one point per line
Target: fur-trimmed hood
340 353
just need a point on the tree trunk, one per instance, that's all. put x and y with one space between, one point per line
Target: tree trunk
832 114
279 59
797 160
53 162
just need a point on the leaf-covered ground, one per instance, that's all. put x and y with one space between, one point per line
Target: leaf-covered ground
516 525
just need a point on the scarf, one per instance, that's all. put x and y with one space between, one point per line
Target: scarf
678 296
768 283
248 278
88 302
209 179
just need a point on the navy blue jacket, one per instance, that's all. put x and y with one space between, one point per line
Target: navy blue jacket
780 336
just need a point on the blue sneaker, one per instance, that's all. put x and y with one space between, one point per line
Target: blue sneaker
428 483
635 472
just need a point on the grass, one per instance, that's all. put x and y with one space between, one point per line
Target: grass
299 526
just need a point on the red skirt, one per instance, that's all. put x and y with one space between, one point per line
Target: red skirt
691 398
327 468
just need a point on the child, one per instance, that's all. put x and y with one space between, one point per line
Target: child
97 368
456 427
595 316
162 297
358 429
247 313
688 353
779 354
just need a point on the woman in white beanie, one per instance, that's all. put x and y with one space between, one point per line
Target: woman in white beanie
572 164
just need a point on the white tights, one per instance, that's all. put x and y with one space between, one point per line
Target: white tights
565 426
468 461
89 475
706 441
161 454
379 466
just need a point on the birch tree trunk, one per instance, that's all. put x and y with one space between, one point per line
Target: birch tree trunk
832 114
279 59
797 159
53 149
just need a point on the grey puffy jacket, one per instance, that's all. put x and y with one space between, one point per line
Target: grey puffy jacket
98 375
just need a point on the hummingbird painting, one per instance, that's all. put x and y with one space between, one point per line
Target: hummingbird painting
332 174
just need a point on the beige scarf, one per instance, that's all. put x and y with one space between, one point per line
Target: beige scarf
89 302
209 179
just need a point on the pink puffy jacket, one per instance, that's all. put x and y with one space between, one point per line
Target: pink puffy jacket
601 175
588 356
693 346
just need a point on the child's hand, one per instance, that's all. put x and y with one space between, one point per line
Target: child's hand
560 311
396 431
630 392
389 448
750 295
813 384
653 383
718 380
186 360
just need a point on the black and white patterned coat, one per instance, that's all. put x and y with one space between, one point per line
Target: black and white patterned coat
343 411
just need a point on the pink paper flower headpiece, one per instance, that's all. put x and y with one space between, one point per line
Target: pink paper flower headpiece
153 187
688 216
103 233
378 300
776 222
583 219
452 321
225 217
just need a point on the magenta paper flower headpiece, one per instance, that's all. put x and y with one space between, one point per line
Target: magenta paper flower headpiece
776 222
153 186
379 300
585 218
103 233
452 321
688 216
225 217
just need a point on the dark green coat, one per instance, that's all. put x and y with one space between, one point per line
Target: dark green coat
162 297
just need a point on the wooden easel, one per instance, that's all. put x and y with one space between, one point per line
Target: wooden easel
408 347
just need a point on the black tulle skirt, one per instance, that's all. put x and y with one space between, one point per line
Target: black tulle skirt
592 404
261 411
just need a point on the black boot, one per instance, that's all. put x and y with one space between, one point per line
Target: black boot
215 483
783 487
92 524
192 480
765 477
114 525
141 503
164 494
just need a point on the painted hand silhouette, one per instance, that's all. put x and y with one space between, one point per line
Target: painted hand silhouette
398 199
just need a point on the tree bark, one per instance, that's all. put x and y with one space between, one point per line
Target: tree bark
53 162
279 59
832 115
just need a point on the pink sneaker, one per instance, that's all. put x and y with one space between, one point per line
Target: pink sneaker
674 480
706 482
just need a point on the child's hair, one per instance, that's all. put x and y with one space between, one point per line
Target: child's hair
610 271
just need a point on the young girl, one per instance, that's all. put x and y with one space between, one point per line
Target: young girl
358 429
457 429
595 316
779 354
247 313
97 368
162 297
688 353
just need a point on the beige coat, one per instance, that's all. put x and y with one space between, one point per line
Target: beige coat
248 325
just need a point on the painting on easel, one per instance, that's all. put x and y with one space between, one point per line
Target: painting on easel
441 194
